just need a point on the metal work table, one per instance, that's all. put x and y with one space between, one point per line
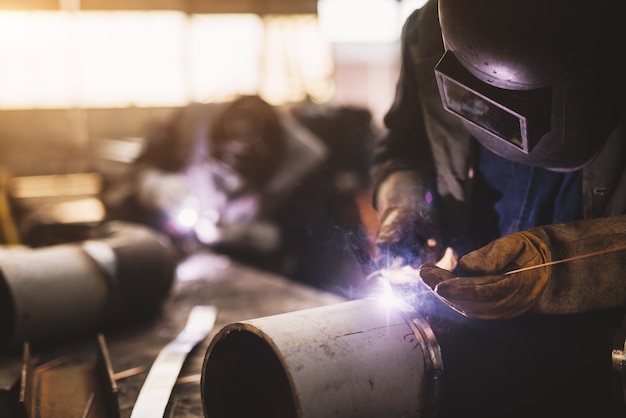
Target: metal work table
532 366
238 292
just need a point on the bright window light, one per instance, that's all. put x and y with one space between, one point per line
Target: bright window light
220 68
34 47
90 59
297 60
132 58
364 21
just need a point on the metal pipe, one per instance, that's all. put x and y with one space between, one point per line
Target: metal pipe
48 293
354 359
360 359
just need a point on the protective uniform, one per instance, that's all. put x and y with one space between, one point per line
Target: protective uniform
441 183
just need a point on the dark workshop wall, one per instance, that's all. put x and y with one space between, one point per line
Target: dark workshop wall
60 141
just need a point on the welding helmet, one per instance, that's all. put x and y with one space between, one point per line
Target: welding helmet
539 82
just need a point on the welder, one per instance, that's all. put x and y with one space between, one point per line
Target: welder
506 142
240 165
256 182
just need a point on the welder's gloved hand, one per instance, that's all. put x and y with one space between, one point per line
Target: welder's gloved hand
484 290
408 230
408 234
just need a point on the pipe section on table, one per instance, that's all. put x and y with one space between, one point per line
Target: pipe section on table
52 292
354 359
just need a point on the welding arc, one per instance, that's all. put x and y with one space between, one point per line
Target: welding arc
565 260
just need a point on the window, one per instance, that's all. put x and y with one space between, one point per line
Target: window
92 59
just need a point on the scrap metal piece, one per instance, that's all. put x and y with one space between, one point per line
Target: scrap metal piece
155 393
76 390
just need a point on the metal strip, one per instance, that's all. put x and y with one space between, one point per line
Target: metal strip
155 392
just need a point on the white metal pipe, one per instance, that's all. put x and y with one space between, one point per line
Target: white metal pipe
353 359
360 359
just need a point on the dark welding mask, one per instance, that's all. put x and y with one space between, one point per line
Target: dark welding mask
536 81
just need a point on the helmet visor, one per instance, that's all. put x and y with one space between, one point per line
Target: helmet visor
519 118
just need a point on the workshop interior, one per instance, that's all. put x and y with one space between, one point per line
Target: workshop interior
151 268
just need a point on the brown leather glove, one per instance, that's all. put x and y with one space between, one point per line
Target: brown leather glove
406 233
408 228
587 272
487 292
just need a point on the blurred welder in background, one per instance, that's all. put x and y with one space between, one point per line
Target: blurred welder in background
250 180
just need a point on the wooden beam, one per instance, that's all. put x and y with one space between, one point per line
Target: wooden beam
189 6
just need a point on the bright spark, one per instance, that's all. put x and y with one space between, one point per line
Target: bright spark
187 218
386 295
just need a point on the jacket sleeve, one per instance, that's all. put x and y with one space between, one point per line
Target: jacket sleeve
594 275
421 136
404 144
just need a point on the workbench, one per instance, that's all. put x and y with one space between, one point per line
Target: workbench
237 291
532 366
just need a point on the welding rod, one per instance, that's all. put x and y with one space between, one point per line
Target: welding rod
565 260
